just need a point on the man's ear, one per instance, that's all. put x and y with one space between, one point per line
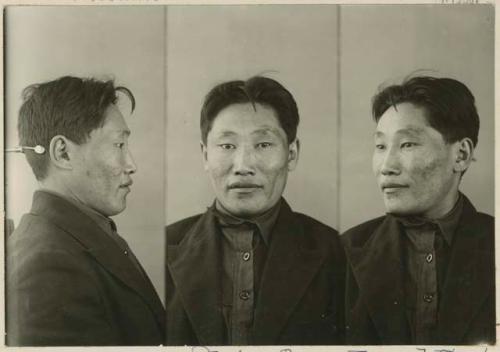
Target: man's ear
60 151
204 154
464 155
293 154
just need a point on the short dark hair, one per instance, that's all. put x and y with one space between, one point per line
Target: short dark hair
68 106
449 105
256 90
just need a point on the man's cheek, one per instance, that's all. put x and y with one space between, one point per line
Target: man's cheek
428 171
117 171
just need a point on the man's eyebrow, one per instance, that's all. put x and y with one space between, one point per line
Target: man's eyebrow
125 132
413 131
266 130
225 133
410 131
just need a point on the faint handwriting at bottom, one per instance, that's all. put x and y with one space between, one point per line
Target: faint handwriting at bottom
206 349
442 350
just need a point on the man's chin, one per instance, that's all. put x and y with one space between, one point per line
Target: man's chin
244 211
115 210
398 209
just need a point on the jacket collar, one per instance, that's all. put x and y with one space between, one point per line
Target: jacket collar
98 244
291 265
469 278
377 267
196 268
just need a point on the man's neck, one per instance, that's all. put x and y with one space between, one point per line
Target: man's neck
56 186
445 207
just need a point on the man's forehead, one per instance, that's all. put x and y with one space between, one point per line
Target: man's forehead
114 124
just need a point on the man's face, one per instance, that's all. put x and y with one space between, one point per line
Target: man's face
413 164
247 158
103 166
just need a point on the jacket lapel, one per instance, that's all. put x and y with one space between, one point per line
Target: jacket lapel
378 271
468 280
98 244
115 262
290 267
195 266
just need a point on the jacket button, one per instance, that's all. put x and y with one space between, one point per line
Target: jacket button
125 252
244 295
428 298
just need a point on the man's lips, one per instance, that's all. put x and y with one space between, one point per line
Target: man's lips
392 186
243 186
127 184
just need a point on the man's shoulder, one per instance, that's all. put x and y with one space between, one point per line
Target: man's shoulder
37 233
313 225
483 226
176 231
359 234
485 219
53 225
38 245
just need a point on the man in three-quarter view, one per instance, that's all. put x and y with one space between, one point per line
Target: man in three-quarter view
250 271
71 280
425 272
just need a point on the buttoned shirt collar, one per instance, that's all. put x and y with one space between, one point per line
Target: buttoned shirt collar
265 222
447 224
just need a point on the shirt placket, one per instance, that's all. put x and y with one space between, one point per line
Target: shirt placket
426 312
243 292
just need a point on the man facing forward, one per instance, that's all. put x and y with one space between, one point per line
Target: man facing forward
71 279
425 272
250 271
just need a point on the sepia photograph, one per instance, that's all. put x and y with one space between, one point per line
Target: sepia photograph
303 176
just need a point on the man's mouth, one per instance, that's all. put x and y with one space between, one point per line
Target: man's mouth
127 184
244 186
389 187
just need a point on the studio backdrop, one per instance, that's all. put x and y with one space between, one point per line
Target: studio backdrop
332 58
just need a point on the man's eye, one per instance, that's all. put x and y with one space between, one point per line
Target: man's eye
264 145
407 145
227 146
120 145
379 146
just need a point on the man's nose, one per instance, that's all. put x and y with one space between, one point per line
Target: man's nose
244 161
390 163
130 166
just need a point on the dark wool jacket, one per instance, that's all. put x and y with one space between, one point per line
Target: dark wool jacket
375 312
69 284
301 297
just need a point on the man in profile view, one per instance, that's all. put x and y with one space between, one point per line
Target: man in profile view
425 272
250 271
71 279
